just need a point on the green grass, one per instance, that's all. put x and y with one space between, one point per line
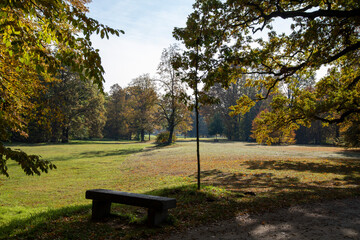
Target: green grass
80 166
53 205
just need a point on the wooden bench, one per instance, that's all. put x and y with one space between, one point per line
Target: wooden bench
102 199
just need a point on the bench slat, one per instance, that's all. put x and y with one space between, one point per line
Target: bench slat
134 199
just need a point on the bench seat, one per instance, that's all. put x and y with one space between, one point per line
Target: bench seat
102 199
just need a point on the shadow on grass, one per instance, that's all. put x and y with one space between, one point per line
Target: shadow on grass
210 140
212 203
74 223
350 153
93 154
339 167
73 142
126 221
42 223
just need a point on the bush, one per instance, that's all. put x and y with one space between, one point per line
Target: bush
163 137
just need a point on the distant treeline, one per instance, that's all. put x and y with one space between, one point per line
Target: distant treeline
76 109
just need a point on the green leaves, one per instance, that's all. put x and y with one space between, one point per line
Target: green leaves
31 164
221 33
38 38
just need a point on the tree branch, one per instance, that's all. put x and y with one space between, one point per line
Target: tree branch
314 14
340 119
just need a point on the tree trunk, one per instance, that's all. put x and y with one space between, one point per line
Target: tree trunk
171 132
197 117
65 135
197 137
142 135
54 132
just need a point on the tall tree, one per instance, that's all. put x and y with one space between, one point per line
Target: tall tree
194 63
172 110
190 64
37 38
142 100
67 107
80 105
117 113
323 33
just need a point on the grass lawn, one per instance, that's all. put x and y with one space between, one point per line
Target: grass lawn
237 178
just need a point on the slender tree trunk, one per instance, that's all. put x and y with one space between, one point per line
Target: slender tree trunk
149 136
197 136
197 115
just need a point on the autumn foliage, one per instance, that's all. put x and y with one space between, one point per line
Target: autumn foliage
37 39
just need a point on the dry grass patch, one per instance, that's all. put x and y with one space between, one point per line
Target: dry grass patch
325 172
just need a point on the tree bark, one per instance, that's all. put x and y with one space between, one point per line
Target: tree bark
65 135
142 135
171 131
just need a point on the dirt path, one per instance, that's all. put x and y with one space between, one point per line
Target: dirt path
339 219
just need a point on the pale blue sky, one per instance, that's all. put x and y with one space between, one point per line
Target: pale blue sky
148 27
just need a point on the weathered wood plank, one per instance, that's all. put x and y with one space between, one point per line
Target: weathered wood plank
157 206
134 199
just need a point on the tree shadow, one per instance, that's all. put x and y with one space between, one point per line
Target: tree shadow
125 221
75 142
75 223
96 154
221 199
342 166
120 152
91 154
220 141
330 220
350 153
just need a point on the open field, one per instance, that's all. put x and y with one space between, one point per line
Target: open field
237 178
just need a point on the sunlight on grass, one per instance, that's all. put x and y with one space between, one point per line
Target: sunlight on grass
236 177
80 167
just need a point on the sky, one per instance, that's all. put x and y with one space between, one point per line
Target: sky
148 27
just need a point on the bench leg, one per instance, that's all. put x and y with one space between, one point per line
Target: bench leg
100 210
156 217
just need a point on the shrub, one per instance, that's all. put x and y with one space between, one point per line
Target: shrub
163 137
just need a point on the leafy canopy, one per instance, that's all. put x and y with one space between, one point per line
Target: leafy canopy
323 33
37 38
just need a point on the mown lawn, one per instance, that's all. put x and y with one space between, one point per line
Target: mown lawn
237 178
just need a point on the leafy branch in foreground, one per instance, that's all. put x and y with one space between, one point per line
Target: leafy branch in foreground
31 164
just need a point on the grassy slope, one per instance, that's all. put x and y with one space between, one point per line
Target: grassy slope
279 176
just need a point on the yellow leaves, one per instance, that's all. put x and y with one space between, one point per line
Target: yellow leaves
244 104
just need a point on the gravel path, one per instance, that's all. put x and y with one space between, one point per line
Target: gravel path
339 219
